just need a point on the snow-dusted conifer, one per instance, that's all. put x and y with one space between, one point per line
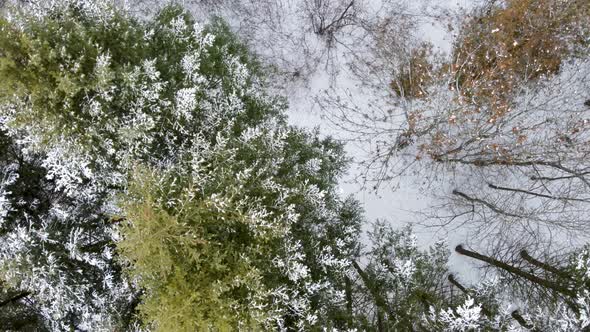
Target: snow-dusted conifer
161 140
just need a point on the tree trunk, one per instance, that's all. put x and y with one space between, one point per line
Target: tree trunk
525 255
456 283
14 298
516 315
379 300
349 313
516 271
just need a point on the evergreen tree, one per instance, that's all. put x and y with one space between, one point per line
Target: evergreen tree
159 138
400 283
148 181
57 260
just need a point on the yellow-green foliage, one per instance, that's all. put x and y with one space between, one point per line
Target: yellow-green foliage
232 221
195 256
51 64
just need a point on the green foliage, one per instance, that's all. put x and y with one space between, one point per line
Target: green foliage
107 92
231 216
15 315
408 281
196 259
72 73
221 227
37 226
227 218
52 64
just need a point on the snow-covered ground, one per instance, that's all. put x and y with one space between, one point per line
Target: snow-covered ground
279 32
399 205
396 205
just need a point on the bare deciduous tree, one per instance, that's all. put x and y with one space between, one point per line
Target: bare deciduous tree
499 133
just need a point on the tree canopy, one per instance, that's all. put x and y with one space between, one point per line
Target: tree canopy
149 179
